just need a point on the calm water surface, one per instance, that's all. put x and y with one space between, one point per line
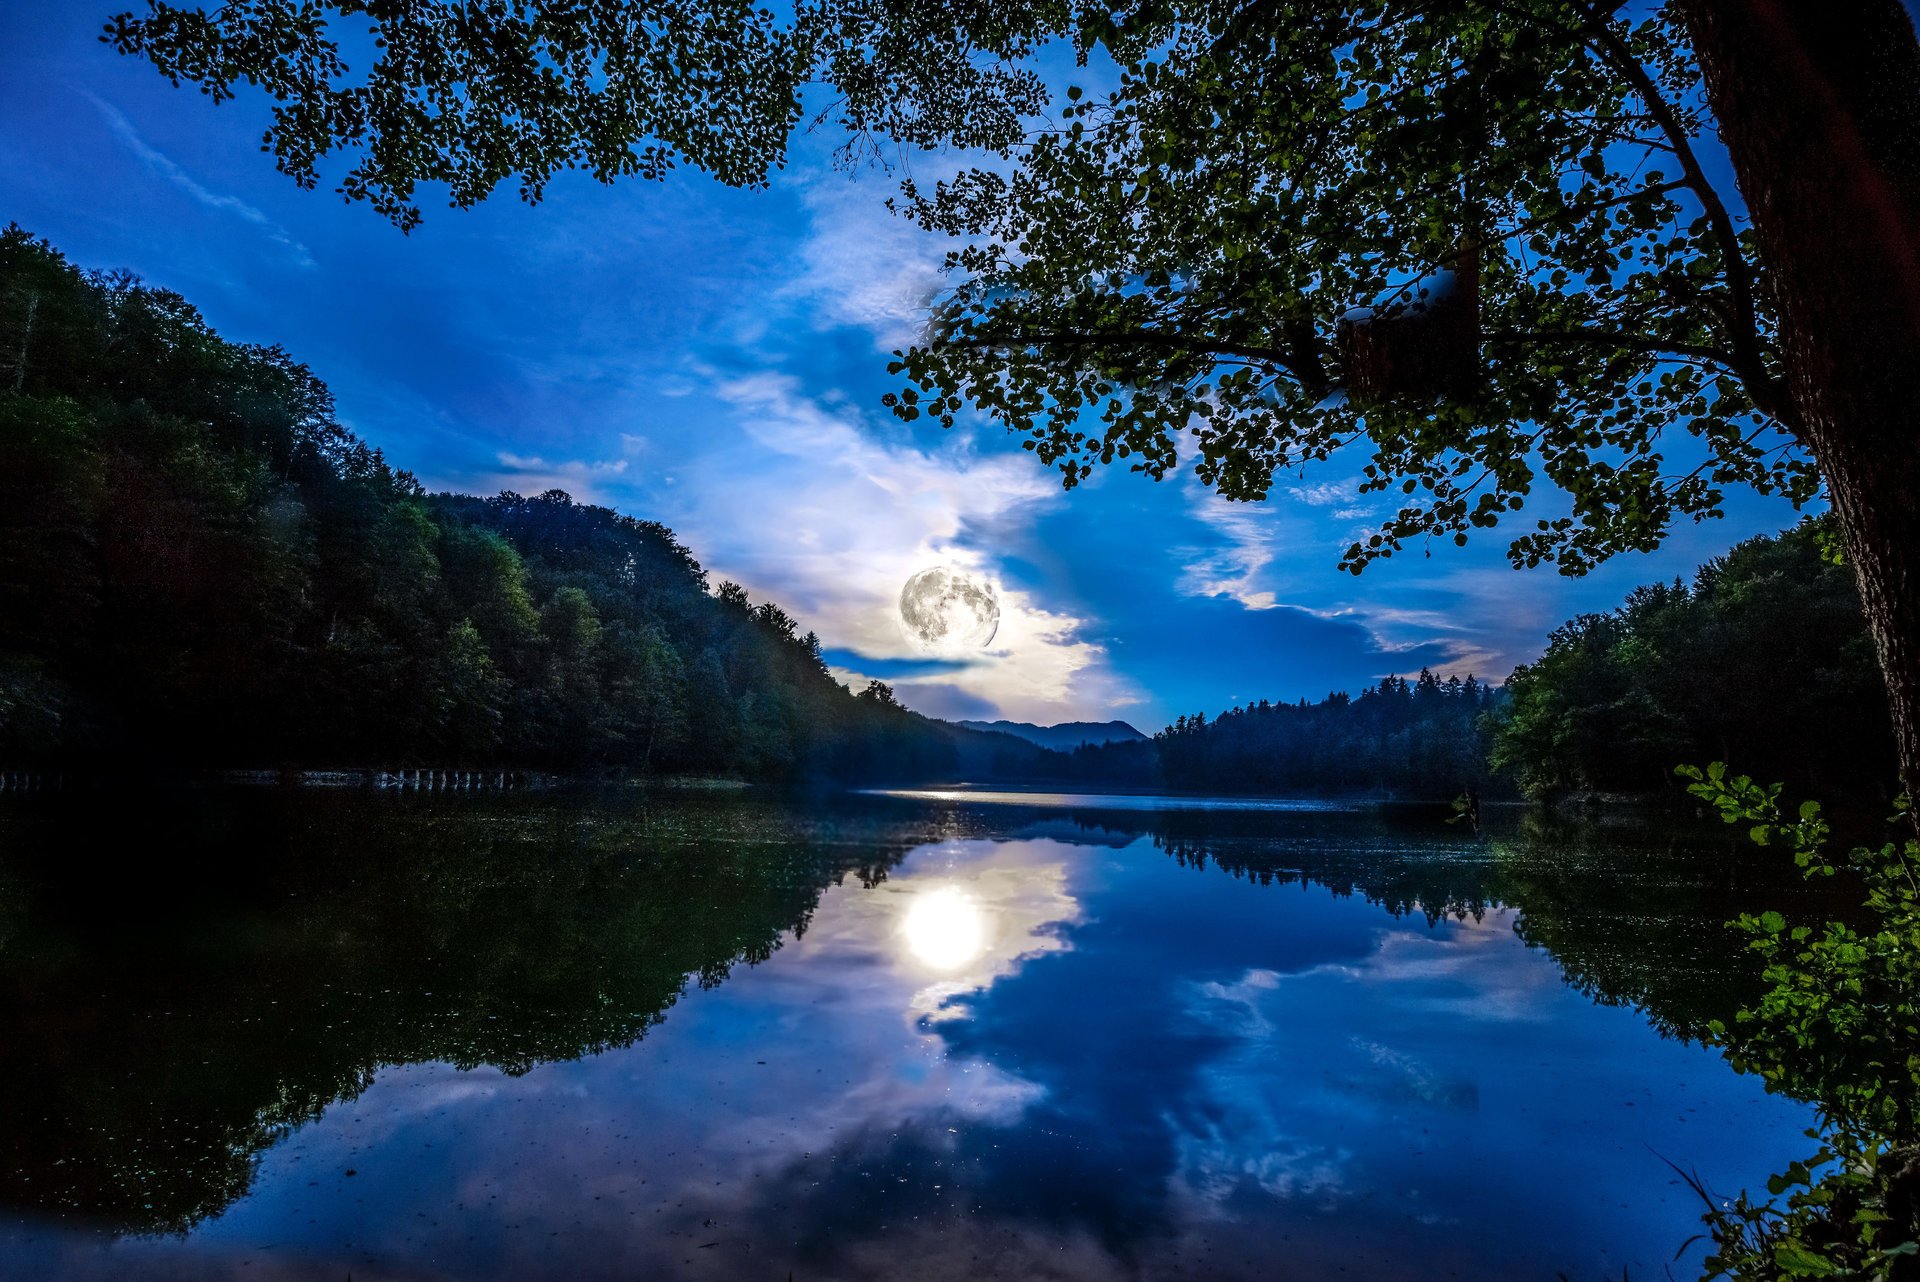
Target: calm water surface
925 1036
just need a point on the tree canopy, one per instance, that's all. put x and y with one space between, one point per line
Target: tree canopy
1764 658
1483 242
1477 242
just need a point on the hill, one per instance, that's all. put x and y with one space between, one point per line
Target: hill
200 566
1064 737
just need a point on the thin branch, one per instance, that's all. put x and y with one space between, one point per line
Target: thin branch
1606 42
1579 210
1627 342
1141 338
1763 392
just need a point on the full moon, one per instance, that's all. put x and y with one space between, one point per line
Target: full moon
948 611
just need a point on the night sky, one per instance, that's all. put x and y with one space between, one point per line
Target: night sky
714 360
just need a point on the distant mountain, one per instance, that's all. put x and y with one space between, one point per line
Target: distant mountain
1061 738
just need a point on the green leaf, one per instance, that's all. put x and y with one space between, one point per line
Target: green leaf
1802 1261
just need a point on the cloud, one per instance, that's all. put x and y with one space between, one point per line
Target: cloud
1236 565
165 166
946 701
862 265
809 509
1324 494
585 480
888 669
1487 617
1456 620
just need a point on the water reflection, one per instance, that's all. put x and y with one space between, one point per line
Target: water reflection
572 1038
944 928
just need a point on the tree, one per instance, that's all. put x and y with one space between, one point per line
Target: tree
651 686
469 695
1482 240
1821 112
1765 657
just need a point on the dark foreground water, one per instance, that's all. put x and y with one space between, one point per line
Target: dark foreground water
248 1035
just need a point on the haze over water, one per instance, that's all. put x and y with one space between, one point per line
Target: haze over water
602 1036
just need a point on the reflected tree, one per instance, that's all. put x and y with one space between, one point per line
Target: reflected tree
153 1056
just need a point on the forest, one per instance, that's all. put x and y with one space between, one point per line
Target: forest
199 565
1764 659
1422 738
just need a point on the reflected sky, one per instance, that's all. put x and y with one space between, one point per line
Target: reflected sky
1117 801
1026 1052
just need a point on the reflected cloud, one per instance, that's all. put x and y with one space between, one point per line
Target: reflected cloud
1220 1164
1042 1056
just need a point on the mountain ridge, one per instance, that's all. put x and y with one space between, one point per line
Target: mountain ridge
1064 737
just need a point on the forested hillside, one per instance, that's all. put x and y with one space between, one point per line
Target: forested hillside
200 566
1421 738
1764 661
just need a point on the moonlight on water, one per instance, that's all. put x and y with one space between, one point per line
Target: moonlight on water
947 611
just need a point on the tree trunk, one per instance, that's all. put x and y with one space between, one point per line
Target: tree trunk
1819 104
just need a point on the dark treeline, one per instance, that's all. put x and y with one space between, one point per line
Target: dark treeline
199 565
1763 661
1420 738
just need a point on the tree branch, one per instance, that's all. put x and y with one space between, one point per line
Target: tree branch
1273 356
1627 342
1765 393
1748 364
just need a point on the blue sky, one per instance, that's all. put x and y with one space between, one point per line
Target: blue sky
714 359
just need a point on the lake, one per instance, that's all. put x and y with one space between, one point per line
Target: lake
258 1034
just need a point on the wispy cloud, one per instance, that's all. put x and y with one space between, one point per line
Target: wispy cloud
586 480
1323 494
1267 559
165 166
863 266
1246 542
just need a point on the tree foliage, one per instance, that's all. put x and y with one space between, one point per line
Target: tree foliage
1483 242
1410 738
1839 1024
1516 191
468 98
1765 655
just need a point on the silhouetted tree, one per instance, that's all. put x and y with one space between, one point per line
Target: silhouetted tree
1765 658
